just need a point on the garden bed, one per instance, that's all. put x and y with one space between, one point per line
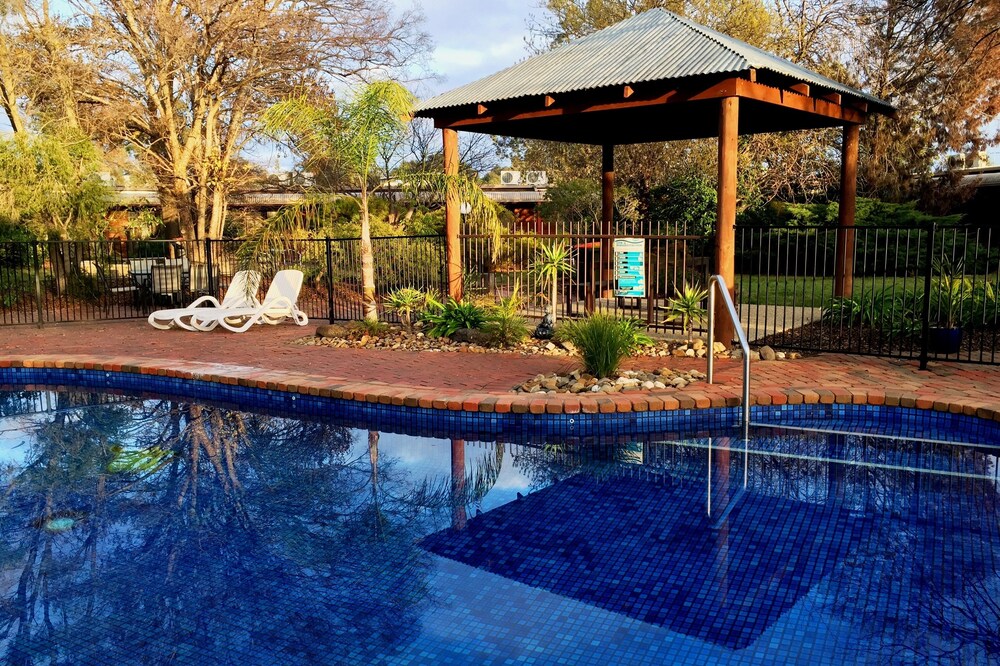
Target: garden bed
395 337
819 337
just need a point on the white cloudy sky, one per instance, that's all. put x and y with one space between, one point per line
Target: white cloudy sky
473 38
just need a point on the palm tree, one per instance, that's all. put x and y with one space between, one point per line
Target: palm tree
354 134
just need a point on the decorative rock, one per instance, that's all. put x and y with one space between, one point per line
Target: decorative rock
794 355
648 385
550 383
545 329
569 346
719 347
780 355
698 344
689 352
470 336
551 346
332 331
767 354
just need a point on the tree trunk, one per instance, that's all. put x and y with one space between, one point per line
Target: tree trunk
177 210
553 299
367 261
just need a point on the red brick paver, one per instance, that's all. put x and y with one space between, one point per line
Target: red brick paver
266 357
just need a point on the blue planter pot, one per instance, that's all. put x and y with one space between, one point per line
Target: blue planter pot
944 340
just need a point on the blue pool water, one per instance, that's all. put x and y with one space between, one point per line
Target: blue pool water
165 530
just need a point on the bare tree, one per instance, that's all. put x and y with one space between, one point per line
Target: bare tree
183 83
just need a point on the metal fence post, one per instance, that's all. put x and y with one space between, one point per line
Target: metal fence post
329 279
38 285
925 332
209 268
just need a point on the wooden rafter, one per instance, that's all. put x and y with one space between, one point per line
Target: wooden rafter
826 107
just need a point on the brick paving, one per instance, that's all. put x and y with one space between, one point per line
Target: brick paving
265 357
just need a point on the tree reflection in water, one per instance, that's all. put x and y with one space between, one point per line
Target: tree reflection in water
187 533
166 532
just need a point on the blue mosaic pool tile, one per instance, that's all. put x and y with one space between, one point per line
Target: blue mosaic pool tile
895 421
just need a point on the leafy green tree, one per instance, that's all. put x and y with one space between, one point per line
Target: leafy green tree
51 183
686 204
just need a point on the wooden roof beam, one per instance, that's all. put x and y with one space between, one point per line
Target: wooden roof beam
609 100
798 102
800 88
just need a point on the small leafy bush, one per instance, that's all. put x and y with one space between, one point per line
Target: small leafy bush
371 327
505 326
445 319
893 312
841 310
604 340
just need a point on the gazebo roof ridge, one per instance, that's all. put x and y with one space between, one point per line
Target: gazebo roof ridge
671 47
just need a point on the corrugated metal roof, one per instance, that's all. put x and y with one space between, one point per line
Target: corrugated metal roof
653 46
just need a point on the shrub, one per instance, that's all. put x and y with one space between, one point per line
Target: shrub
841 310
604 340
894 312
981 307
447 318
371 327
406 302
505 326
15 250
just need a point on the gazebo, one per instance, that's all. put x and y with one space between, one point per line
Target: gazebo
654 77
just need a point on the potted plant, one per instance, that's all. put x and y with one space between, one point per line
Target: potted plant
950 291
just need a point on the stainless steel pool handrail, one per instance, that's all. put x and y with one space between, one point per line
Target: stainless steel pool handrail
718 283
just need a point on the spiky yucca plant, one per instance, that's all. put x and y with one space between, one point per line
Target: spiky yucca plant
686 307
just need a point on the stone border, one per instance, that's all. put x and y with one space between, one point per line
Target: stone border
706 396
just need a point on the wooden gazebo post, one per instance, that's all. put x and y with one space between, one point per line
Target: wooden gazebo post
452 215
607 220
725 224
843 272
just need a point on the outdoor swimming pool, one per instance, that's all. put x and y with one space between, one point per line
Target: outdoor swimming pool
175 530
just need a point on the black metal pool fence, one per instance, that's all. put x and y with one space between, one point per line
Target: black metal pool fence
918 292
67 281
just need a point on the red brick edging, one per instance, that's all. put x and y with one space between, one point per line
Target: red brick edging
700 397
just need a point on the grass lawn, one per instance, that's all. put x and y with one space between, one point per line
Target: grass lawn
812 292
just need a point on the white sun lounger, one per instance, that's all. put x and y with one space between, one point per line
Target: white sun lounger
242 293
278 305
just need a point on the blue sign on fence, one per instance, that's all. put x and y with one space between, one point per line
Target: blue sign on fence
630 267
